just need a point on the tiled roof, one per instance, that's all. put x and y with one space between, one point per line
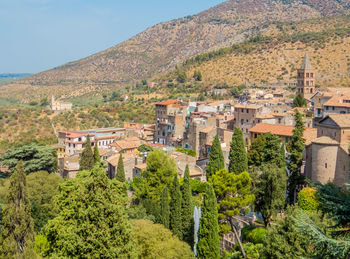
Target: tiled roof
247 106
167 102
339 101
141 166
113 160
282 130
207 129
128 143
343 120
325 140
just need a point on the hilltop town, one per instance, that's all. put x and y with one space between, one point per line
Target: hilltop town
186 130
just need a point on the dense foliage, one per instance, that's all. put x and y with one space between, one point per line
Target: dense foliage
35 158
120 175
187 208
17 231
91 220
209 244
238 155
307 199
175 208
87 159
155 241
216 158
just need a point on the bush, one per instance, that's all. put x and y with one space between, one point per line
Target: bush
307 199
253 234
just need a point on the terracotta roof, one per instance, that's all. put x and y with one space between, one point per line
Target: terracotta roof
128 143
265 116
141 166
113 160
339 101
282 130
325 140
343 120
207 129
167 102
247 106
195 172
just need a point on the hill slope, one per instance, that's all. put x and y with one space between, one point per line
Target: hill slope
165 45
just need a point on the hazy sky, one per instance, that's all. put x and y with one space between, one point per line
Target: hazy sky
40 34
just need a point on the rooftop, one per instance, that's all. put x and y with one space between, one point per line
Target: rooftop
306 64
167 102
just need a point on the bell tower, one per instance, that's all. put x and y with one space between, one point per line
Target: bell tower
306 77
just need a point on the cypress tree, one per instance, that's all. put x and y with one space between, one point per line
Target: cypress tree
17 235
164 207
175 208
216 158
187 209
87 160
238 155
296 179
97 157
120 176
208 234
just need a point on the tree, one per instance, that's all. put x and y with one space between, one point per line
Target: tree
216 158
299 101
44 102
164 207
35 158
160 171
155 241
91 219
307 199
208 235
234 196
120 176
187 209
87 160
296 147
17 234
238 155
283 240
270 191
256 152
181 75
145 148
175 208
97 157
42 187
197 75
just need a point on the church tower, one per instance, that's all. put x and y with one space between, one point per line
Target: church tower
306 77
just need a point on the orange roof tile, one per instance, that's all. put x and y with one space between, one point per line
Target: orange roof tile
339 101
167 102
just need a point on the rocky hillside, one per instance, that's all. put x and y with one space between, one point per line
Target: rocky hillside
165 45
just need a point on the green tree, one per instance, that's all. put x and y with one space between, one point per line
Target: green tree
97 157
42 187
120 176
35 158
44 102
238 155
175 208
181 75
187 209
91 220
160 171
208 235
164 208
296 147
87 160
155 241
273 151
299 101
307 199
145 148
270 191
197 75
234 196
284 241
216 158
256 152
17 233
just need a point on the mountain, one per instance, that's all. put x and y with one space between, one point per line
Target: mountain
161 47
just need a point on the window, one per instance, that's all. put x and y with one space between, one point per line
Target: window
333 108
325 165
307 83
327 107
247 121
247 111
242 121
73 145
242 110
255 135
312 75
287 139
307 75
79 139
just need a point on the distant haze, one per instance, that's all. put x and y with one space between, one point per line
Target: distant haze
41 34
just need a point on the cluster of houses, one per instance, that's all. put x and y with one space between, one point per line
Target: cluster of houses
193 125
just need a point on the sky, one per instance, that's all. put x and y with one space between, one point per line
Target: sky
37 35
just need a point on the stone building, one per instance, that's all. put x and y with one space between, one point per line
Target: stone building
327 157
60 105
306 78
